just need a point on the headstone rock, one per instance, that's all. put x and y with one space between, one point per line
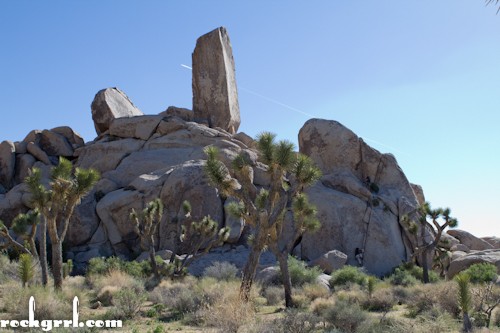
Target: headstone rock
215 96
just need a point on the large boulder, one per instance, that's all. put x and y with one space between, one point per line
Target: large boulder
55 144
215 96
361 198
468 239
109 104
465 260
7 163
330 261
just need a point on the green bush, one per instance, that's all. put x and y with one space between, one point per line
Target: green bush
401 277
345 316
483 272
101 266
300 273
348 274
221 271
128 302
409 274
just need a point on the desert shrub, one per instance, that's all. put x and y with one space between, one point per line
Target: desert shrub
274 295
293 321
101 266
128 302
75 286
381 300
228 313
385 325
348 275
313 291
221 271
114 278
423 298
401 294
496 320
345 316
49 304
300 273
402 277
184 297
483 272
435 320
320 305
352 295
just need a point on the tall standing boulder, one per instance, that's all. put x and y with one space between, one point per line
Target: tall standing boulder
109 104
215 96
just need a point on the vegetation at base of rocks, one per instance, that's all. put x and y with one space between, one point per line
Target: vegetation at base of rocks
212 303
348 275
300 273
221 271
409 274
481 273
103 266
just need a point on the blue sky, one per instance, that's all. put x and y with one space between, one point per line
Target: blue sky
419 79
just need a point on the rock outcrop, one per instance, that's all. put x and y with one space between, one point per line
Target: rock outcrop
361 198
215 96
465 260
109 104
469 240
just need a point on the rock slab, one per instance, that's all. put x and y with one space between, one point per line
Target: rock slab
215 95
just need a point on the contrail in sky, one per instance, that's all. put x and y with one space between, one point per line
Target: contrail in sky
303 112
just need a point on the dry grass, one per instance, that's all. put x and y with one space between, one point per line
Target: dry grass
228 313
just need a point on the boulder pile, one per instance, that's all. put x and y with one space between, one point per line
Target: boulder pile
361 197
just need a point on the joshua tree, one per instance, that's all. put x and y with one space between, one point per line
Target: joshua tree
19 227
265 210
195 236
429 221
56 204
146 224
26 268
464 299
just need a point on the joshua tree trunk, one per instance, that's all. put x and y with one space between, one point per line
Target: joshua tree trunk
285 277
57 265
467 323
43 252
425 265
249 272
152 258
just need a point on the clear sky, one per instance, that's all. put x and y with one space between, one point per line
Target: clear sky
417 78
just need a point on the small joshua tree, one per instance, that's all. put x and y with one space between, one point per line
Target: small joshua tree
145 225
464 299
19 226
26 268
265 209
195 236
433 221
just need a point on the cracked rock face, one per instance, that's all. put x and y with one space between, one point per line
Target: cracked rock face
353 214
215 96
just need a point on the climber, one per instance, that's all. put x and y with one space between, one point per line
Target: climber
368 181
359 254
